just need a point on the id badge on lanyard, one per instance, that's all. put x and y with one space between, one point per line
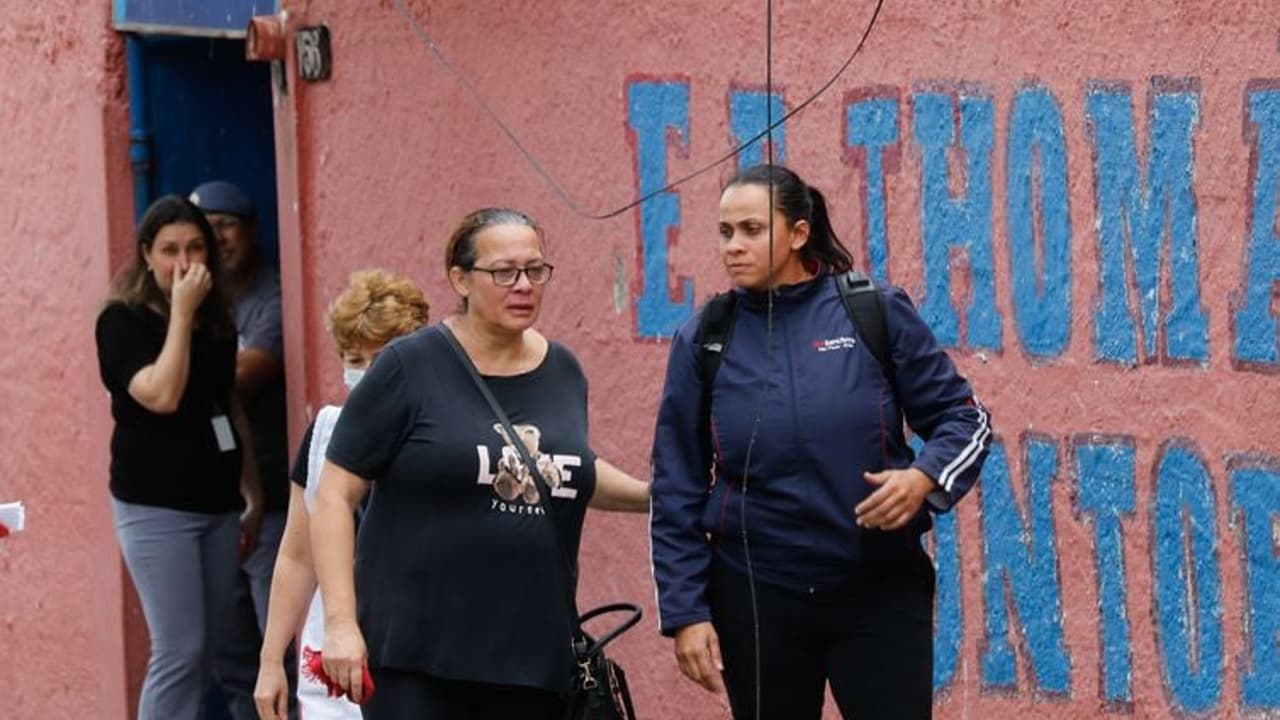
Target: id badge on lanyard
222 430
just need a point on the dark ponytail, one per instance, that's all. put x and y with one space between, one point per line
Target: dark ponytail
798 201
823 246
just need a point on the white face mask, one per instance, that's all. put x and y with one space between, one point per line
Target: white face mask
351 376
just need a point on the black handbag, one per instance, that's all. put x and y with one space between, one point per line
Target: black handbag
599 688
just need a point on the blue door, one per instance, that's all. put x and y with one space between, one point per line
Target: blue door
205 114
199 111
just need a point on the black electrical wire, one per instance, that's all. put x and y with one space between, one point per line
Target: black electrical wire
770 126
768 364
555 185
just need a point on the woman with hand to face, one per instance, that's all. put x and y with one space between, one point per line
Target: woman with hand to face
184 486
457 600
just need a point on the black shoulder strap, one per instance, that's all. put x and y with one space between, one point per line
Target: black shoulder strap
566 563
865 305
715 328
583 645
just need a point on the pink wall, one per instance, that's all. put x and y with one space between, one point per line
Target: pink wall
1098 430
1120 554
67 208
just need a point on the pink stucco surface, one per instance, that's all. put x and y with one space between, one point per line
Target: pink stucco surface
392 150
66 207
375 165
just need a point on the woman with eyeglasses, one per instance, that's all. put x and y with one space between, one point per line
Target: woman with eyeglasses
456 601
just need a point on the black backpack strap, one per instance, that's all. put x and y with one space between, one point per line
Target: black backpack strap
865 305
715 328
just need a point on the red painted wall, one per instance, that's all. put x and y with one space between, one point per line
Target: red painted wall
391 151
376 163
67 210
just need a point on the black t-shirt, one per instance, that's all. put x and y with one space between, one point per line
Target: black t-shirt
172 460
301 471
457 575
298 474
267 420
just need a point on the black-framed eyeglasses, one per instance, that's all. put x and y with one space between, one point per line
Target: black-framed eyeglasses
538 274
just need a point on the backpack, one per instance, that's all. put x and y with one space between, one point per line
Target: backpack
862 300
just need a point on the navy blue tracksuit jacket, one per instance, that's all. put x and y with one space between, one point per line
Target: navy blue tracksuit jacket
827 413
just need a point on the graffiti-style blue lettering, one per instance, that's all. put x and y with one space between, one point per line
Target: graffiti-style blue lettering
1187 586
948 608
1041 289
653 110
963 222
1022 557
1256 494
1255 325
1105 494
948 633
871 126
1140 206
747 118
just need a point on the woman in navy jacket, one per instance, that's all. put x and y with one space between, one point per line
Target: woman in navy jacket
786 519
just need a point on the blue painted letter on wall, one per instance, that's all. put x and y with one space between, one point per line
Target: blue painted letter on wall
1105 494
1022 560
653 110
1146 208
1188 591
1041 281
748 118
871 125
1255 491
963 222
1255 325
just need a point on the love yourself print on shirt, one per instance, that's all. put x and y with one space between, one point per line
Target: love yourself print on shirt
514 488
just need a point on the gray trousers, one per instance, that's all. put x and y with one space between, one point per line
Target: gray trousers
183 565
240 639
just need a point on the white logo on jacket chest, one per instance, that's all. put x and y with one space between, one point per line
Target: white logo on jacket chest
843 342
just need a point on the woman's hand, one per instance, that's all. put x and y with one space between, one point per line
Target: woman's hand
698 654
250 527
895 501
189 289
271 694
345 656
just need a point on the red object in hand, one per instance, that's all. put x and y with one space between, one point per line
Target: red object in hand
313 669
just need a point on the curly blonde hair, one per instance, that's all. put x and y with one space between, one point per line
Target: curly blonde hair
376 308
